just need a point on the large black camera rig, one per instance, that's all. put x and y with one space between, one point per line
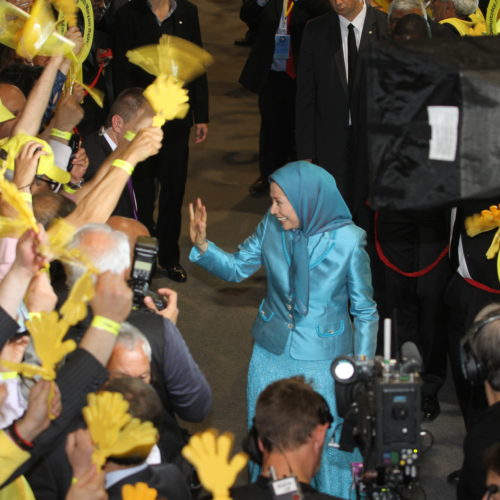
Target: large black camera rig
380 402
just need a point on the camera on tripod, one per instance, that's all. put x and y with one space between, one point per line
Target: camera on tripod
380 402
143 269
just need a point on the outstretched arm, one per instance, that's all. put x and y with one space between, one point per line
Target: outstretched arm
228 266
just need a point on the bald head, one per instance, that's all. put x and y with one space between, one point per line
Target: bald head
13 99
131 227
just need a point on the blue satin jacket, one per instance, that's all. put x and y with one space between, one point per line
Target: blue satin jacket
340 288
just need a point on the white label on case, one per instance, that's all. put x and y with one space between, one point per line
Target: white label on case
444 125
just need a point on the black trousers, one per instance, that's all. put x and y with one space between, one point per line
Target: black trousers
169 168
412 241
277 125
464 301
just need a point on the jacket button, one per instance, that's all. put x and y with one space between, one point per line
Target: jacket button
290 316
290 325
289 307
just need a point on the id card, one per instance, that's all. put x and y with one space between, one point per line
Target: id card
281 46
286 489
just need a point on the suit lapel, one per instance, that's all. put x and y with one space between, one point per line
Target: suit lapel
335 41
105 145
278 6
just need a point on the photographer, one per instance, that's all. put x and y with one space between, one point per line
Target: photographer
484 338
290 425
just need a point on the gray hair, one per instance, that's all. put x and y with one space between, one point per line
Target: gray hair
111 253
129 336
486 345
407 5
465 7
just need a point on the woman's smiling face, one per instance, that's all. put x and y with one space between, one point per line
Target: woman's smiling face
282 209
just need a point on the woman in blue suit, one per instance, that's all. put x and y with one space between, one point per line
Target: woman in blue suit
319 301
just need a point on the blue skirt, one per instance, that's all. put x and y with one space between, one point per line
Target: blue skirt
334 476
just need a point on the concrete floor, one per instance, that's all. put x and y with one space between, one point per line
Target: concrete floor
215 317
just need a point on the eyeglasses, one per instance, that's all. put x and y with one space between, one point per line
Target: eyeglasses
52 184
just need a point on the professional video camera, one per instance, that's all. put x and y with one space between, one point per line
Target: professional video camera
143 268
379 401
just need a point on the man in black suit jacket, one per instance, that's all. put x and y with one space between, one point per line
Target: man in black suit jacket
127 114
330 124
140 23
272 76
167 479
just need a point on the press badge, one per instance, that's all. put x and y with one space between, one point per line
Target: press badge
281 46
286 489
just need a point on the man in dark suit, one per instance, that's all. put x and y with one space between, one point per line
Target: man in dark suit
330 90
167 479
270 72
140 23
126 114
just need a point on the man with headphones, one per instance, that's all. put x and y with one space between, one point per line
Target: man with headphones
290 425
480 352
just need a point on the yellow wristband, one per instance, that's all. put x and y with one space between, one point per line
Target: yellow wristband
68 190
129 135
27 197
124 165
55 132
108 325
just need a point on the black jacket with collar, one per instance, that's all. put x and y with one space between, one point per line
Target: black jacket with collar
135 26
265 20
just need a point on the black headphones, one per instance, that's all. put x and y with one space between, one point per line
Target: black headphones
250 443
472 369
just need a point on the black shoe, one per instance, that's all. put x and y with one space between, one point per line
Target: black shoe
430 407
453 477
260 186
177 273
243 42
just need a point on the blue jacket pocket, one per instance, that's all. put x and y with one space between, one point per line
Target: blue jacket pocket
265 313
331 332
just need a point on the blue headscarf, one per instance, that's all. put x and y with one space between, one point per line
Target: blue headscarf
319 206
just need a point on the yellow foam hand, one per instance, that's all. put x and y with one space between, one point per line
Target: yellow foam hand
167 98
12 196
209 453
485 221
82 292
136 438
48 332
113 430
138 491
105 415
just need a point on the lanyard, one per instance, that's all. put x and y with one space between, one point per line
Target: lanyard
287 9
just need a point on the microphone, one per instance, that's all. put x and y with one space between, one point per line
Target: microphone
411 359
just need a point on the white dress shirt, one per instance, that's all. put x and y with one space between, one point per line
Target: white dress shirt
358 23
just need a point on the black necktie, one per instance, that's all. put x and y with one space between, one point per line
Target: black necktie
352 55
